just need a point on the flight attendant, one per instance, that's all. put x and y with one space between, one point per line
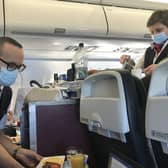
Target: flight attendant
158 51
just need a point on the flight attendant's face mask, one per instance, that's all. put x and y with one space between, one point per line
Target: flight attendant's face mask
159 33
159 38
7 77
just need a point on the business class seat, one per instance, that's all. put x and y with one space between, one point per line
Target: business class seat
50 124
113 106
157 115
26 96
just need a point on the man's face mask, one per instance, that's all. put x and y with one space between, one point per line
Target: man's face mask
159 38
7 78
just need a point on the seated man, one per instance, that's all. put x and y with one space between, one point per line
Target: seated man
11 62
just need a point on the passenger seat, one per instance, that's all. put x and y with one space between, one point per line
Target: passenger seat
113 106
157 115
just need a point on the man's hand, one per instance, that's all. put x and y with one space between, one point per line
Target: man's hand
150 69
28 158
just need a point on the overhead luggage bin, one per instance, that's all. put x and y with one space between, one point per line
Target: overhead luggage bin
54 18
1 18
127 22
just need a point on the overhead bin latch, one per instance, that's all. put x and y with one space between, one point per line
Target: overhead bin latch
59 30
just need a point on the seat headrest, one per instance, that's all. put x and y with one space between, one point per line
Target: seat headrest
103 104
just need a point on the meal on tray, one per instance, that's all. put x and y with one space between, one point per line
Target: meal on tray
51 165
51 162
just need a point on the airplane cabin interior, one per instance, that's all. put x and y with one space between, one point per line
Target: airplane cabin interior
75 101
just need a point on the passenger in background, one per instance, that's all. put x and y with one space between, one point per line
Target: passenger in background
11 62
158 51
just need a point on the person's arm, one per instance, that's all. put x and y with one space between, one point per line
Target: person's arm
148 70
127 62
6 161
7 143
26 157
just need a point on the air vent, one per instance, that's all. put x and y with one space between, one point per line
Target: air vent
76 48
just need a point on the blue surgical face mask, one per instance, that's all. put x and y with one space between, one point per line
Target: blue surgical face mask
159 38
7 78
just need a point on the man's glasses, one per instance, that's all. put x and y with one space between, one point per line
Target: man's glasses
12 66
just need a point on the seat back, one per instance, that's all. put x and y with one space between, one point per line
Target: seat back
156 114
113 105
102 93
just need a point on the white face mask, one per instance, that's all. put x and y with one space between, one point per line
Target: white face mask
7 78
160 38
